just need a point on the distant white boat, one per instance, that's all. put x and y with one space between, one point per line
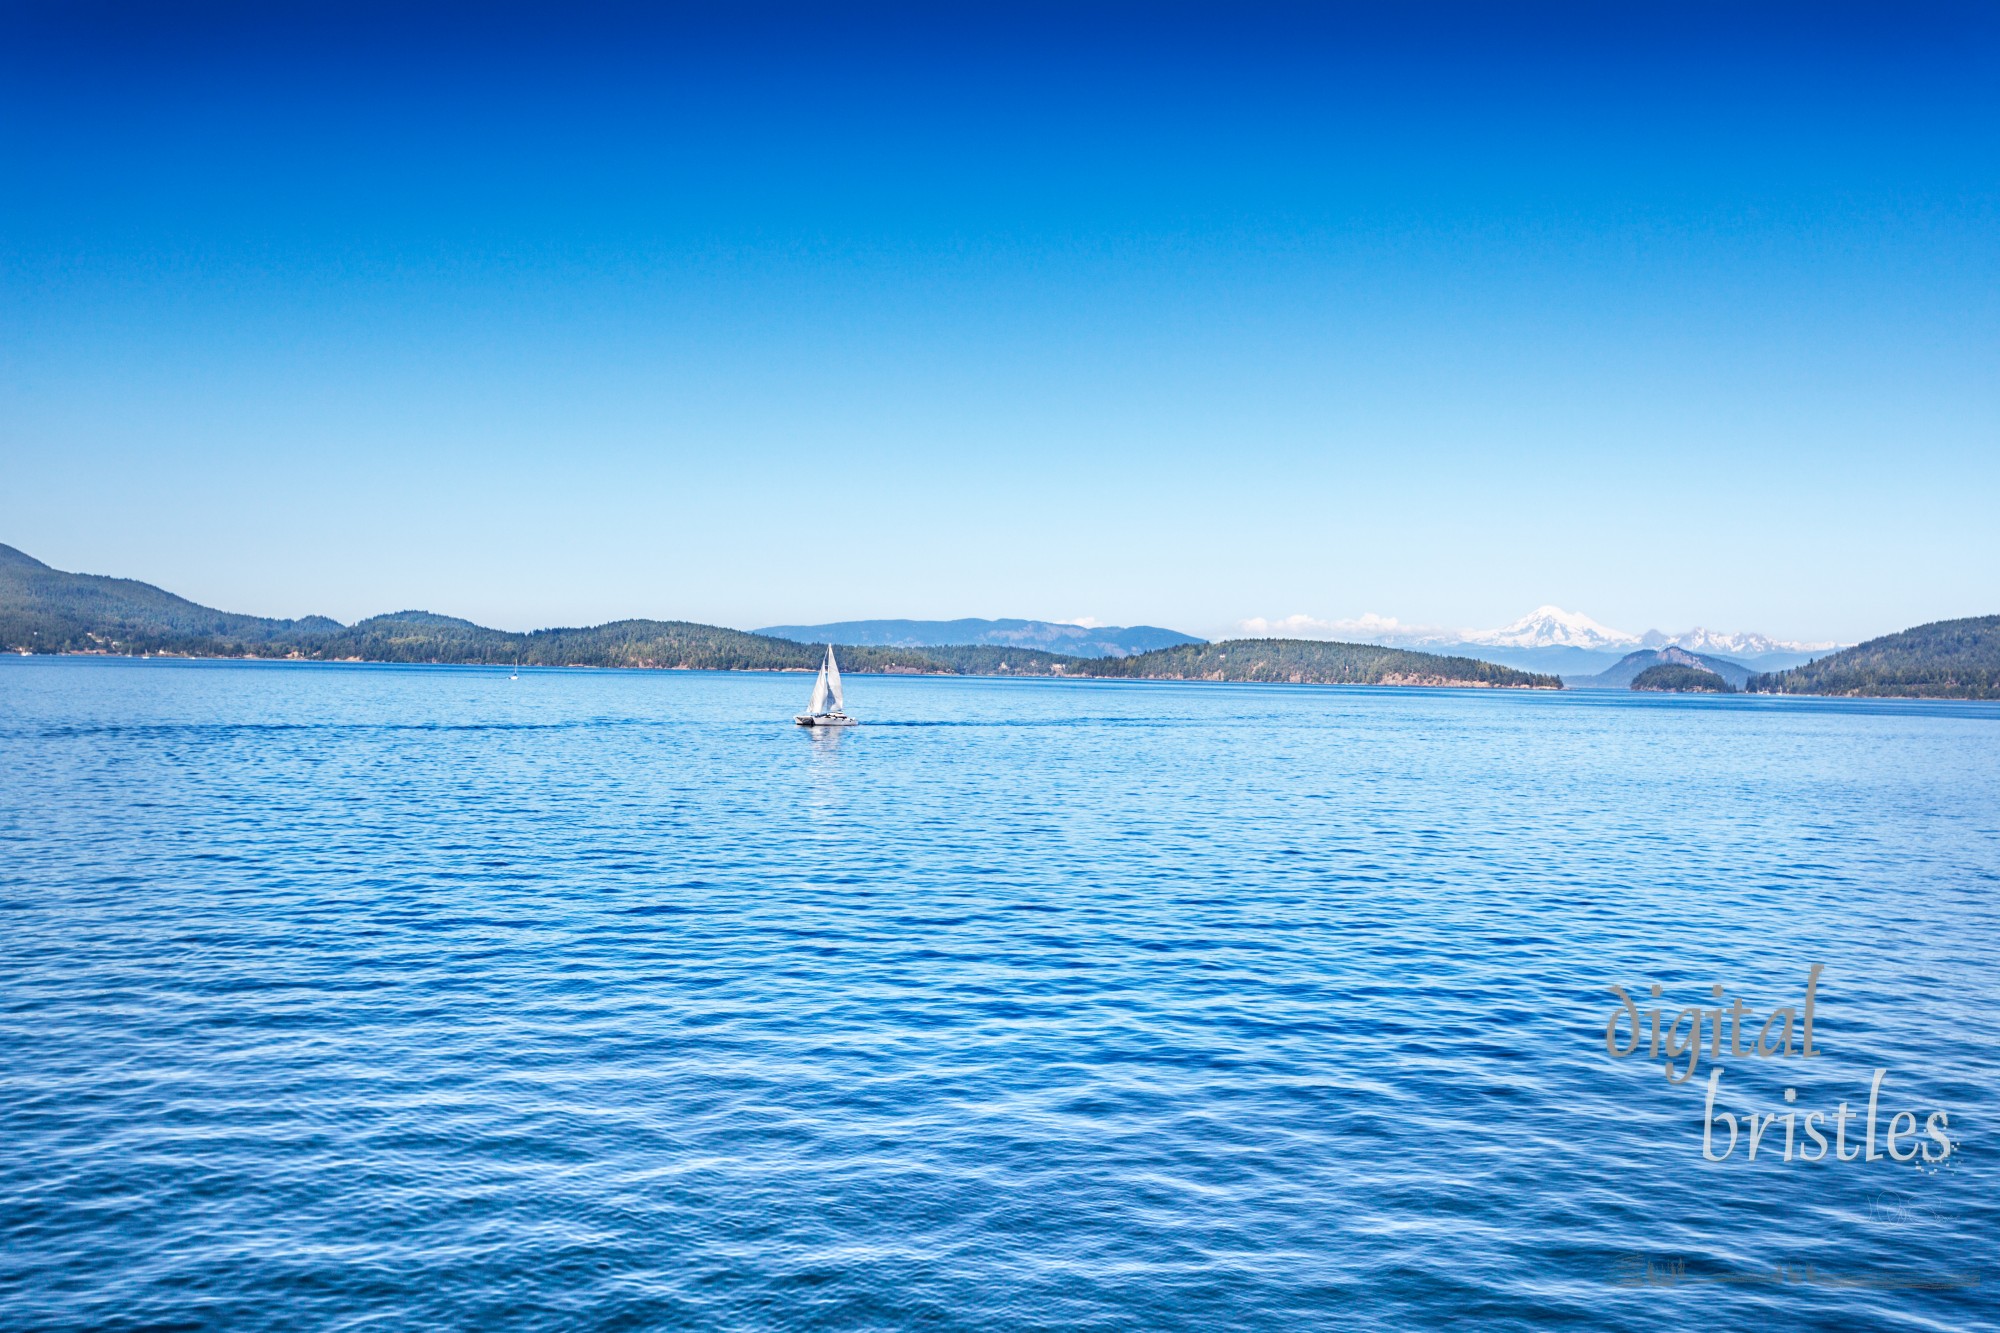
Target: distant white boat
826 690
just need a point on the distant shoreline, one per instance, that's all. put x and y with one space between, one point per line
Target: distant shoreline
303 659
792 670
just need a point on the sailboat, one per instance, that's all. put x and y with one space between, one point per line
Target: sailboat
826 690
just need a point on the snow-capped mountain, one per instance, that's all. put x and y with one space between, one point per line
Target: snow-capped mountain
1546 639
1702 640
1553 627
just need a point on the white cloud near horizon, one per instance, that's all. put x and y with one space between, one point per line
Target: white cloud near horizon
1311 627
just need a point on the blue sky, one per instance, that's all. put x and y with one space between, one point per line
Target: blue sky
1169 314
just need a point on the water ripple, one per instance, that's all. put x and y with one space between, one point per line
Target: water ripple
357 998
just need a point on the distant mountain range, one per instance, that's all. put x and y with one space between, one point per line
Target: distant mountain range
1551 639
1049 636
45 610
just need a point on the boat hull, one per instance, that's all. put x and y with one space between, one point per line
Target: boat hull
824 720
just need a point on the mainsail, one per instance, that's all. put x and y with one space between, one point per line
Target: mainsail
818 704
830 678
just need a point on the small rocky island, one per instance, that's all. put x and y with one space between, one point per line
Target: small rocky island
1678 679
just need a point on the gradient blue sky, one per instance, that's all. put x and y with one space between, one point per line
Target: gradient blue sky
1169 314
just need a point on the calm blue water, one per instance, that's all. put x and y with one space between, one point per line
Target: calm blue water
376 998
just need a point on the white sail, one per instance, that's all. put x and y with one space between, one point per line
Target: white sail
832 674
818 704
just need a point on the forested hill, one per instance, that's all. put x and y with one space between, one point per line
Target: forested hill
416 636
1948 659
46 610
50 611
1312 662
1680 678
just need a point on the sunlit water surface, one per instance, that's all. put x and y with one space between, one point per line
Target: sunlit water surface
378 998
